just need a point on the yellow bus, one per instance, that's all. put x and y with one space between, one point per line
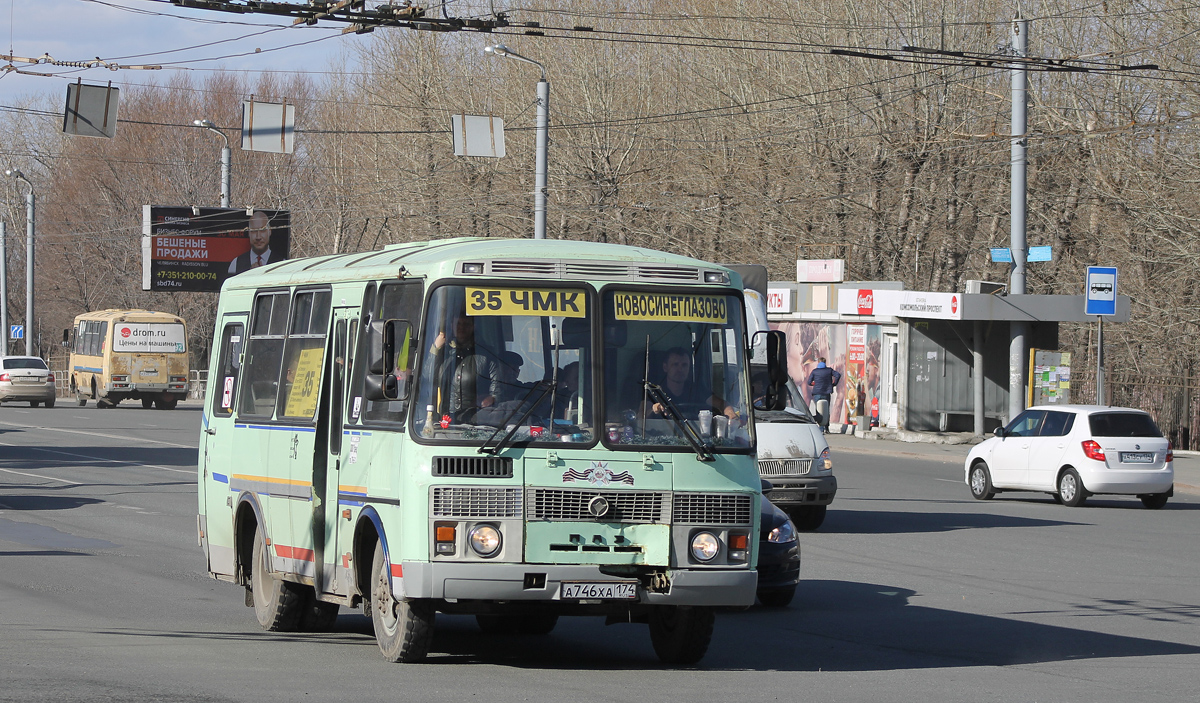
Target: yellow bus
123 354
509 429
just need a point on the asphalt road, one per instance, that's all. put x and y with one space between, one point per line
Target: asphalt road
913 592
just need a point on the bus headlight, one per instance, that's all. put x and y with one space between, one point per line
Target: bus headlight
705 546
484 540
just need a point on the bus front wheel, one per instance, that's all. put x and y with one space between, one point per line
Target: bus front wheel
403 628
680 634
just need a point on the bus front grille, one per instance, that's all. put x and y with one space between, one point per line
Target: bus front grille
473 466
712 509
556 504
470 501
784 467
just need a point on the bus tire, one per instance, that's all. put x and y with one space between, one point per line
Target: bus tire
681 634
403 629
166 402
147 403
317 615
79 397
278 604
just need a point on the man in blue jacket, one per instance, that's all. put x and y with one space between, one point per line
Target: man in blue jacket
821 381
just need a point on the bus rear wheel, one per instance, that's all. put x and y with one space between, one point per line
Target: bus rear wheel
167 402
147 403
278 604
403 628
680 634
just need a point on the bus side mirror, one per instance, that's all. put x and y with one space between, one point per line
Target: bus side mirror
776 396
66 338
389 349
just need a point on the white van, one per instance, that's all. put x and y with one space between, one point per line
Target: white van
793 455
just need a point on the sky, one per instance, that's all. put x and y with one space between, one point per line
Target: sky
141 32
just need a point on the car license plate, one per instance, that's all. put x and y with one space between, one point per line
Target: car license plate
149 372
1137 457
26 379
599 590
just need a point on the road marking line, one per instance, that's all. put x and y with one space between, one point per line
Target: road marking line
22 473
96 434
93 458
948 480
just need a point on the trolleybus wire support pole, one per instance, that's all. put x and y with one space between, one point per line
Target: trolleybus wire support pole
1017 209
4 283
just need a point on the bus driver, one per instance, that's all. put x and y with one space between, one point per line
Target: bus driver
466 380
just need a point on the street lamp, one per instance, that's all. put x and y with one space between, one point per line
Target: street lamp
29 212
224 159
543 126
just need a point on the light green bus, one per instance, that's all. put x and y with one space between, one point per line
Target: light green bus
514 429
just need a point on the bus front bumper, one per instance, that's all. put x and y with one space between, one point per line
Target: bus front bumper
543 582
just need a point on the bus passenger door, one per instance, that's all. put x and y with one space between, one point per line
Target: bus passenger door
327 522
216 450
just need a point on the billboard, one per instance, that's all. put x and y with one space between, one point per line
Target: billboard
196 249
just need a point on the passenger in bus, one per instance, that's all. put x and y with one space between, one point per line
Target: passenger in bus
465 379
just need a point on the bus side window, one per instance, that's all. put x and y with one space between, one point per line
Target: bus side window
228 367
304 355
264 354
400 301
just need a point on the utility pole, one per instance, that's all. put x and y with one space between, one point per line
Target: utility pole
1018 330
4 284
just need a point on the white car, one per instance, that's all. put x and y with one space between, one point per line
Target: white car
26 378
1073 451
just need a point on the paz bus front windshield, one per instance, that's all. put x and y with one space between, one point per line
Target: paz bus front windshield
500 357
674 359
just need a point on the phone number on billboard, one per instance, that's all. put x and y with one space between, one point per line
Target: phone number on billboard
191 275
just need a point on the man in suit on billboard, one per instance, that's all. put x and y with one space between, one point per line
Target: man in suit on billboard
259 232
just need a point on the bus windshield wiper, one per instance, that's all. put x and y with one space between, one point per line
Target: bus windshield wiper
546 385
703 448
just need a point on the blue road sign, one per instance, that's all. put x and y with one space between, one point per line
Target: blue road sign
1039 254
1100 290
1001 255
16 331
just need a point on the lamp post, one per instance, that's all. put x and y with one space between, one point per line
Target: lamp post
225 154
543 127
29 212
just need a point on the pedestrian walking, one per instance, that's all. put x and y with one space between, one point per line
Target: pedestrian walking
821 382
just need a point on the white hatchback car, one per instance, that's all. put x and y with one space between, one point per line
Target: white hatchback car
1073 451
26 378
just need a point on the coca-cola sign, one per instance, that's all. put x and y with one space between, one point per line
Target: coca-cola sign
866 301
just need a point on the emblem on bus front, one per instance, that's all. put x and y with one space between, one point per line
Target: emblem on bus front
598 475
598 506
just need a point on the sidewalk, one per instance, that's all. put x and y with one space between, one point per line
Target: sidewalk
953 447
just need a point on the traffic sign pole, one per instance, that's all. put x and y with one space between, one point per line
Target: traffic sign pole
1100 295
1100 360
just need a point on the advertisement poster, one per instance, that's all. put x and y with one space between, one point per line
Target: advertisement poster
852 350
196 249
149 338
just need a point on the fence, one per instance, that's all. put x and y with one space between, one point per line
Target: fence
1171 400
197 380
